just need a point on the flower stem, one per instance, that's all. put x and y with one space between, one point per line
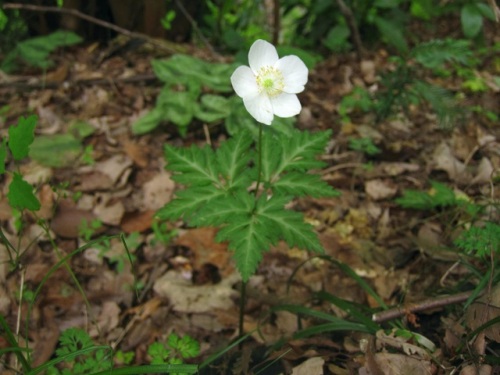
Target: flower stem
259 161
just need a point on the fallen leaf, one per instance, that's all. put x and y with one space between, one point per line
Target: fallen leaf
483 310
443 159
311 366
380 189
188 298
67 221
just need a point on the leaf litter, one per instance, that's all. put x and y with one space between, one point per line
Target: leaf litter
190 284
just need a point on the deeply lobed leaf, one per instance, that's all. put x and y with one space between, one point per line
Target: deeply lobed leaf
301 184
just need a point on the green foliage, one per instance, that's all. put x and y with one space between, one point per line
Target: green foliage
22 136
365 145
217 191
174 351
20 194
184 96
438 196
56 150
471 17
235 23
75 340
434 54
36 51
480 241
359 99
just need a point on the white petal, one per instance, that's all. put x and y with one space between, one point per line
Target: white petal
286 105
294 73
261 54
244 83
260 108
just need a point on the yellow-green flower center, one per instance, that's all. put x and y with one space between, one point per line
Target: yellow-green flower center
270 81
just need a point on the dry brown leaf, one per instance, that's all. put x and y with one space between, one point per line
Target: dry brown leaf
157 191
484 172
188 298
380 189
137 221
311 366
443 159
398 364
67 221
137 153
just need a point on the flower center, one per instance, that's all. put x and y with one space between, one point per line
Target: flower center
270 80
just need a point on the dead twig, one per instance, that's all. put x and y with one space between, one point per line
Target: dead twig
196 29
351 22
164 45
398 312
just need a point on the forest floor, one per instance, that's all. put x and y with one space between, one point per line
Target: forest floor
189 283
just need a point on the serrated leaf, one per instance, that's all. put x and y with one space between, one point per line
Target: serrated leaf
301 184
21 195
300 151
287 225
22 136
233 157
246 237
193 165
472 20
225 209
188 202
176 107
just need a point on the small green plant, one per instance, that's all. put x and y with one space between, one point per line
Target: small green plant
364 145
21 194
81 354
439 196
36 51
359 99
480 241
183 98
175 351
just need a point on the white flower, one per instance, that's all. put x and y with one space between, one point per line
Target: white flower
269 85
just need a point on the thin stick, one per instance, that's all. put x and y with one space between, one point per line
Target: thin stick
75 12
196 28
243 296
351 22
429 304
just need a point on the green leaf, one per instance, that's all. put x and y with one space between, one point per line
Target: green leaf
233 158
212 108
3 155
21 195
58 150
193 165
247 238
225 209
286 224
486 11
391 33
472 20
188 202
337 39
299 153
435 53
35 51
176 107
148 122
301 184
22 136
439 195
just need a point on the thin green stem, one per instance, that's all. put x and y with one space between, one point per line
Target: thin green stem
259 161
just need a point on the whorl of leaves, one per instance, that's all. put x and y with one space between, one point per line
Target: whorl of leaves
217 188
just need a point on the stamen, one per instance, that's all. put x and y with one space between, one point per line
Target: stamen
270 80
